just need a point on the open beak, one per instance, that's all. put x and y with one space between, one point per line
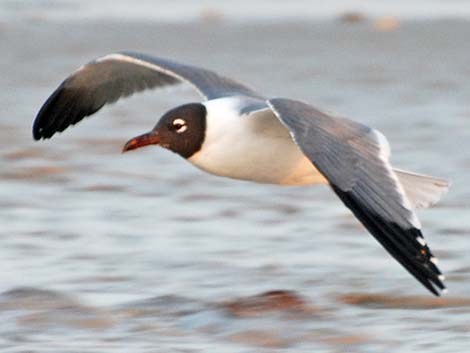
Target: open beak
150 138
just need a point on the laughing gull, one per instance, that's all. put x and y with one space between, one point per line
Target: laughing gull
235 132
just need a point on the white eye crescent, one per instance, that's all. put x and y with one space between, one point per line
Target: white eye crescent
180 125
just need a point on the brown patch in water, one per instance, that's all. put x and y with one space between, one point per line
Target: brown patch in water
94 321
352 17
91 323
36 173
387 24
348 340
23 154
403 302
270 302
260 338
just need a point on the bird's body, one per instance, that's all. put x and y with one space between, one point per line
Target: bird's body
236 132
253 146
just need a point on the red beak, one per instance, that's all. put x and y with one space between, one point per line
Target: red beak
150 138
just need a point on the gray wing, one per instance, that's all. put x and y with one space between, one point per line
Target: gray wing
113 76
355 160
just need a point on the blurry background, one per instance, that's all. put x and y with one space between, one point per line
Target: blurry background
103 252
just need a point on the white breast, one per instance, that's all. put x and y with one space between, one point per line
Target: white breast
254 147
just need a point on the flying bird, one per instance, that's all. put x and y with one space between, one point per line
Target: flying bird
238 133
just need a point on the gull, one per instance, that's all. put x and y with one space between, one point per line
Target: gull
238 133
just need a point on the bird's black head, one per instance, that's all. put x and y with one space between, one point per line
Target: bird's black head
180 130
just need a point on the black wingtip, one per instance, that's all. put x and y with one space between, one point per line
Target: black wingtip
36 125
400 243
36 130
433 290
46 116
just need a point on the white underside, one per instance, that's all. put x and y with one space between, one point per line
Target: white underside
258 148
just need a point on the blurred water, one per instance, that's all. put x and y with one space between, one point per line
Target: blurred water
103 252
184 10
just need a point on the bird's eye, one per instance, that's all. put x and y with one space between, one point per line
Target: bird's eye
179 125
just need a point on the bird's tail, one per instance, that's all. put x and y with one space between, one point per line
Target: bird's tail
422 190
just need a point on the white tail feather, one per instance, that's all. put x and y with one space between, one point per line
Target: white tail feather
422 190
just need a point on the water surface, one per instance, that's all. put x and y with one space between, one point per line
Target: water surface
103 252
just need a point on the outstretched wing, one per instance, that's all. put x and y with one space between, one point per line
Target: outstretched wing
355 160
113 76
